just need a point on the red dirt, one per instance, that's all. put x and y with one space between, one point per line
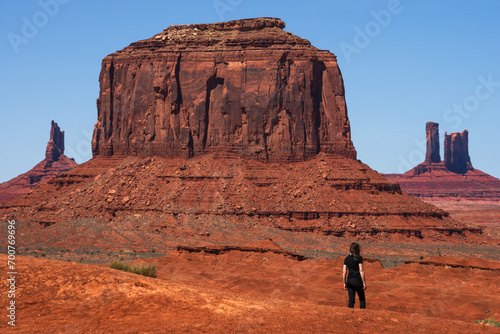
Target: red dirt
446 185
480 212
252 292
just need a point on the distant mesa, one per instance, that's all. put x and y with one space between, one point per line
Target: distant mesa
54 163
454 177
456 152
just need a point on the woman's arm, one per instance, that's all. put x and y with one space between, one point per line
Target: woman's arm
344 276
362 273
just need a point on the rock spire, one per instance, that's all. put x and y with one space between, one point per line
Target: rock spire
456 152
55 146
432 153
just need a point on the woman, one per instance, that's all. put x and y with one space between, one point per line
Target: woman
355 280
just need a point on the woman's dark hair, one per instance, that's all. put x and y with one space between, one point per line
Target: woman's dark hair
354 250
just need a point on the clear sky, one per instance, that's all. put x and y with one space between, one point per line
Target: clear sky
404 63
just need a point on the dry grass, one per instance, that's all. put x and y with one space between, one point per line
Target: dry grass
143 269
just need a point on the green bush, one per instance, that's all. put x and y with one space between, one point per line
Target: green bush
488 321
146 269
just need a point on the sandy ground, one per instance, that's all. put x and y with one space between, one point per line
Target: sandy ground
251 292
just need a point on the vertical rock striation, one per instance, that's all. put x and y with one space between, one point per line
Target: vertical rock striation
55 146
432 153
245 86
456 152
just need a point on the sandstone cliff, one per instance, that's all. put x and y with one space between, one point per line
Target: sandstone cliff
246 86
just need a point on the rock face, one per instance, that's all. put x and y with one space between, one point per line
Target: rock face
432 153
246 86
54 163
456 152
55 146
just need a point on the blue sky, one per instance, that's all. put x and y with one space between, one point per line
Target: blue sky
404 63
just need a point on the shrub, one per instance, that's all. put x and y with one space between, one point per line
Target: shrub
488 321
146 269
120 265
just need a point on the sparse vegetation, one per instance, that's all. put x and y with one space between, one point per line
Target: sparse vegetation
488 321
147 269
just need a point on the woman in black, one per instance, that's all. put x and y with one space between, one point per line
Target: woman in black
355 280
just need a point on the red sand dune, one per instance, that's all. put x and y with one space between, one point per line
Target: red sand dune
254 292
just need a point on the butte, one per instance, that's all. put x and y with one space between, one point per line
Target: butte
453 184
222 133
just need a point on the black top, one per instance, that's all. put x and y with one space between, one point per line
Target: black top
353 265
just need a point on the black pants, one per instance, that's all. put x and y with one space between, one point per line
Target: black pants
356 285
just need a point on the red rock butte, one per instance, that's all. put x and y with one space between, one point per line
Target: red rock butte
456 152
243 86
453 184
221 133
453 177
55 162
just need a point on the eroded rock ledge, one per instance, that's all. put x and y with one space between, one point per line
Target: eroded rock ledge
266 246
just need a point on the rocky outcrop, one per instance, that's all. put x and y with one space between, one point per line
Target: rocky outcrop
54 163
245 86
432 153
266 246
456 152
55 146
